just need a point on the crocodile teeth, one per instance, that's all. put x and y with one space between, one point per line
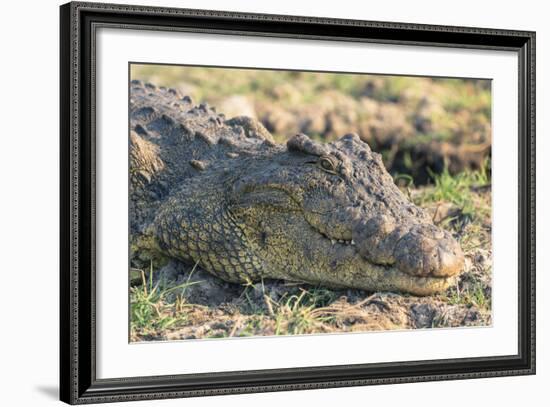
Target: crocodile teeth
342 241
352 242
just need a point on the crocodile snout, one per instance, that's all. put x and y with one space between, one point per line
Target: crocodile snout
421 250
427 250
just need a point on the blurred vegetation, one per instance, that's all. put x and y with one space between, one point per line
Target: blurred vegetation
419 124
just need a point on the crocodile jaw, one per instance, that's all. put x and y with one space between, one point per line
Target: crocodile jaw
350 269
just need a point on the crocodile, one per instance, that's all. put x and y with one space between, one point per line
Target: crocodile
219 192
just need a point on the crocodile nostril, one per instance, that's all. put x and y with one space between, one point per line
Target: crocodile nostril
451 259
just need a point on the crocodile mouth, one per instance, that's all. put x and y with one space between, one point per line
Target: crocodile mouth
334 241
399 255
354 270
419 251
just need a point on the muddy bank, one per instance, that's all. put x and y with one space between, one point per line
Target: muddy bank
215 309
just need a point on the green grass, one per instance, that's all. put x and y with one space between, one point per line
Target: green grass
299 313
473 294
460 191
149 310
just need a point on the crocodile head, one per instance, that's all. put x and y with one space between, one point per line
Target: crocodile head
331 214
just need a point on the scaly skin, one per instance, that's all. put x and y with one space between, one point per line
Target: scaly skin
221 193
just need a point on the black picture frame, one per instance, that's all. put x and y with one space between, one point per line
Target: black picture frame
78 382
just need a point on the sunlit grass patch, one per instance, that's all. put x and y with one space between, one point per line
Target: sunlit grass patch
460 190
471 295
299 313
150 312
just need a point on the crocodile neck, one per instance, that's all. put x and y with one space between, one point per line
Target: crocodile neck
195 226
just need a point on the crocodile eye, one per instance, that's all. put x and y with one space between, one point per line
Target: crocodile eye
327 163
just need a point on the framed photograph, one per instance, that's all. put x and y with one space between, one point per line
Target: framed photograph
255 203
